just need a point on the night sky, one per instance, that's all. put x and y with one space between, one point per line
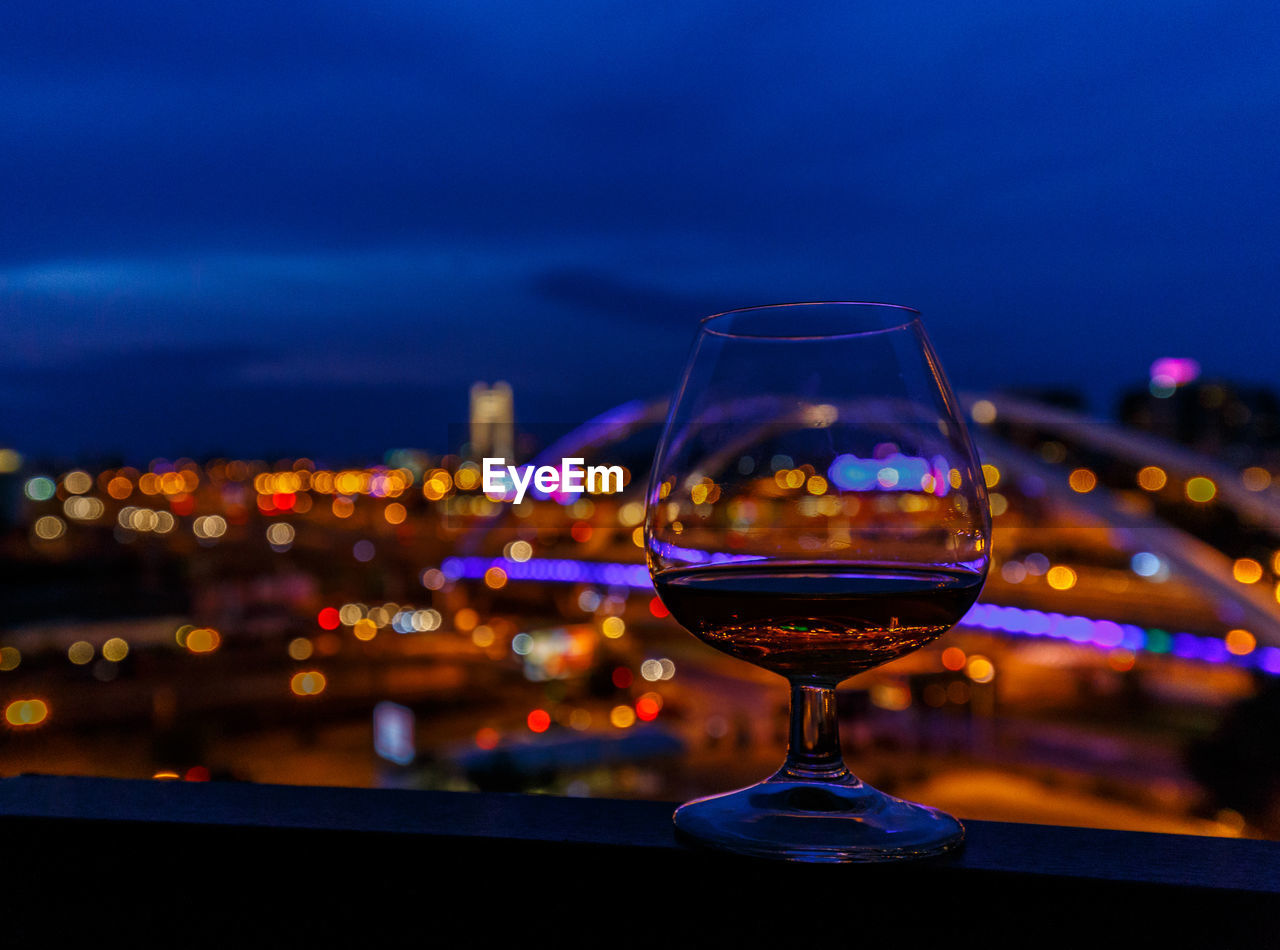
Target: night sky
285 227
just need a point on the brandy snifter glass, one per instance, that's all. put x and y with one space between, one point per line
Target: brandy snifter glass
816 508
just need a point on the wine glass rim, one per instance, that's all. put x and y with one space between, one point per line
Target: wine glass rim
706 327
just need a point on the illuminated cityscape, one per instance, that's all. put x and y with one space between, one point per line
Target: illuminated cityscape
303 306
392 625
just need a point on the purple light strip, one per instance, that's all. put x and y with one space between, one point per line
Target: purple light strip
1107 634
1015 621
551 569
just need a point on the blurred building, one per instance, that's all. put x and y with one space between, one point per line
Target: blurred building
1237 423
492 430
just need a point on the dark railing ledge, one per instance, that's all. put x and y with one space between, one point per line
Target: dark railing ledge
94 853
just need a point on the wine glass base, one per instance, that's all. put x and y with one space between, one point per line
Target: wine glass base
840 821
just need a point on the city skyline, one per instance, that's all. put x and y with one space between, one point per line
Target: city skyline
252 620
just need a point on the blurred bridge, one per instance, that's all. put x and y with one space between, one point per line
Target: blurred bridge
1170 575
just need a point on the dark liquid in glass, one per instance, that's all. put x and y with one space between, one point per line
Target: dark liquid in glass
824 622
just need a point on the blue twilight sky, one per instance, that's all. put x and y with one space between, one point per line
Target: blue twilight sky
308 227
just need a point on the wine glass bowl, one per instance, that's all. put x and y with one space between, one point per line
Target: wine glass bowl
816 508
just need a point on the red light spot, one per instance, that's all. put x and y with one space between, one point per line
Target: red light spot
539 720
329 619
265 505
182 504
622 677
581 531
487 738
658 608
197 773
647 709
284 500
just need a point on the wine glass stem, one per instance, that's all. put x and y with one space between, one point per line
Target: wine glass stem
814 749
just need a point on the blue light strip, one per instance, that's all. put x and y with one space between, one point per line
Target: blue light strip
1015 621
